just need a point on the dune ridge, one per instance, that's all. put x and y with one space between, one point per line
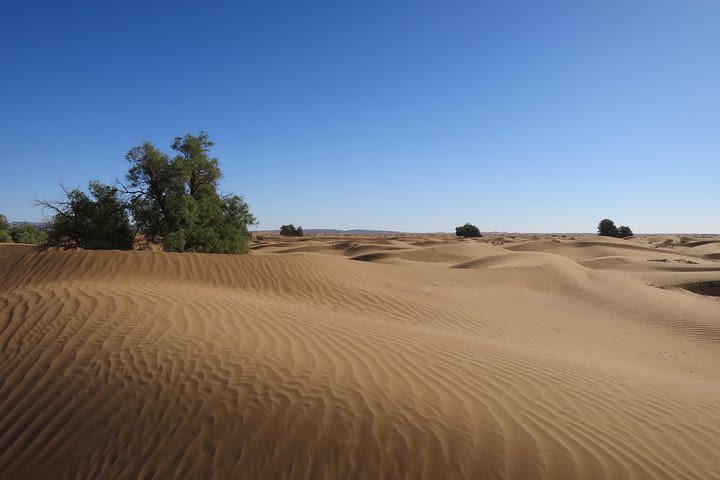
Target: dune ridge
362 357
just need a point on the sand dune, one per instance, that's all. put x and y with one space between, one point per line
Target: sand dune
393 356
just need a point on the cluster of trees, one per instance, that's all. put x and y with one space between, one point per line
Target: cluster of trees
26 233
291 231
168 200
468 230
607 228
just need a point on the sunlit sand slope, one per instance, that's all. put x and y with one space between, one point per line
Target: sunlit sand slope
363 357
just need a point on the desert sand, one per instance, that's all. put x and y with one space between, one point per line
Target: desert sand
387 356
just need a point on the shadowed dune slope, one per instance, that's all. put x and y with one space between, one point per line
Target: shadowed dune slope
431 358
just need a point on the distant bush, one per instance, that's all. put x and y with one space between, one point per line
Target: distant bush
684 239
668 241
624 231
28 234
607 228
291 231
468 230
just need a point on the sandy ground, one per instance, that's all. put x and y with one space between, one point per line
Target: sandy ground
364 357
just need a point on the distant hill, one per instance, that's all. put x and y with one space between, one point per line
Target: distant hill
37 224
347 232
332 231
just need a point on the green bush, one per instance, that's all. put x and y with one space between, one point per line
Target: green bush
5 228
28 234
607 228
624 232
97 221
4 224
468 230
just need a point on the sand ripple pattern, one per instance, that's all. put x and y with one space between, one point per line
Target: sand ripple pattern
425 359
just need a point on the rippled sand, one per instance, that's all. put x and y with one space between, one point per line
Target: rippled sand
364 357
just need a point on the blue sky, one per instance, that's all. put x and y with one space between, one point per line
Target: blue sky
413 116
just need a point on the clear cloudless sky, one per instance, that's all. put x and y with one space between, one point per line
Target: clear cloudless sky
414 116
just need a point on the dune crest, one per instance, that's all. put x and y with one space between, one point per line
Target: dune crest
363 357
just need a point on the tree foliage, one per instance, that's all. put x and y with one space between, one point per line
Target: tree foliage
95 221
624 231
291 231
25 233
171 200
468 230
4 224
5 228
607 228
28 233
175 201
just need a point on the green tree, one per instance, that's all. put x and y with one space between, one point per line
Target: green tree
4 224
291 230
95 221
5 228
624 231
175 201
468 230
200 172
28 233
154 184
607 228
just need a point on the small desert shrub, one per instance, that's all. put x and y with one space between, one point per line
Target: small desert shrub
468 230
668 241
684 239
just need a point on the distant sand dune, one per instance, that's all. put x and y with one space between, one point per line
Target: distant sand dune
362 357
